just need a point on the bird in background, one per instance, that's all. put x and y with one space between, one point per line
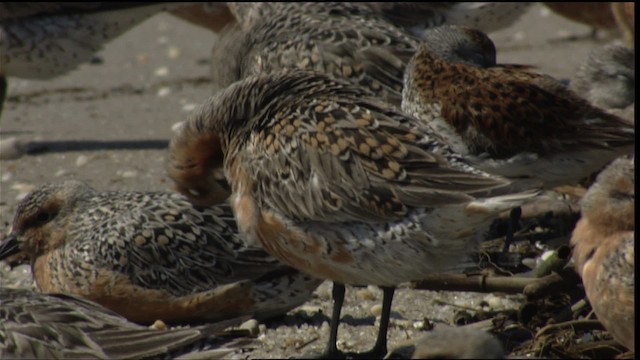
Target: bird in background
366 43
149 256
345 40
44 40
597 15
413 17
506 119
603 249
336 183
607 77
63 326
416 17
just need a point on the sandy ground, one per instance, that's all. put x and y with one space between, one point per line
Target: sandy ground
109 124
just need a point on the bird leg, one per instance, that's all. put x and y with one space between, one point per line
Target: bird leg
514 219
380 347
379 350
332 352
3 92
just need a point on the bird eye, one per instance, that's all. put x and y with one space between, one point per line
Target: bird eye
43 217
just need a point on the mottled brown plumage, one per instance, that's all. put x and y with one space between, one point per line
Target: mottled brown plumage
176 262
344 40
335 182
368 44
603 242
506 119
63 326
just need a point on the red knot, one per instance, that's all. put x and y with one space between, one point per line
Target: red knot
603 252
506 119
336 183
176 262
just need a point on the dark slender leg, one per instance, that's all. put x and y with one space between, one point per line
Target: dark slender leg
514 219
380 348
338 299
3 93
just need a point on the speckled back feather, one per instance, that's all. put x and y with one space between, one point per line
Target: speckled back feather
502 111
349 156
47 326
345 40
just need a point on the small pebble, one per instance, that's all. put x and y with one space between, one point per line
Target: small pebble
376 310
61 172
158 325
494 302
162 71
12 148
189 107
422 325
176 127
324 291
252 326
128 173
173 52
6 176
366 294
82 160
163 91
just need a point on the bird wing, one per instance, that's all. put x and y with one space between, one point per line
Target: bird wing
336 158
172 245
521 110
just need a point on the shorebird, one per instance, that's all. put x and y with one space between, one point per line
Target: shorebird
63 326
416 17
603 248
607 78
368 44
508 120
149 255
337 183
44 40
345 40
